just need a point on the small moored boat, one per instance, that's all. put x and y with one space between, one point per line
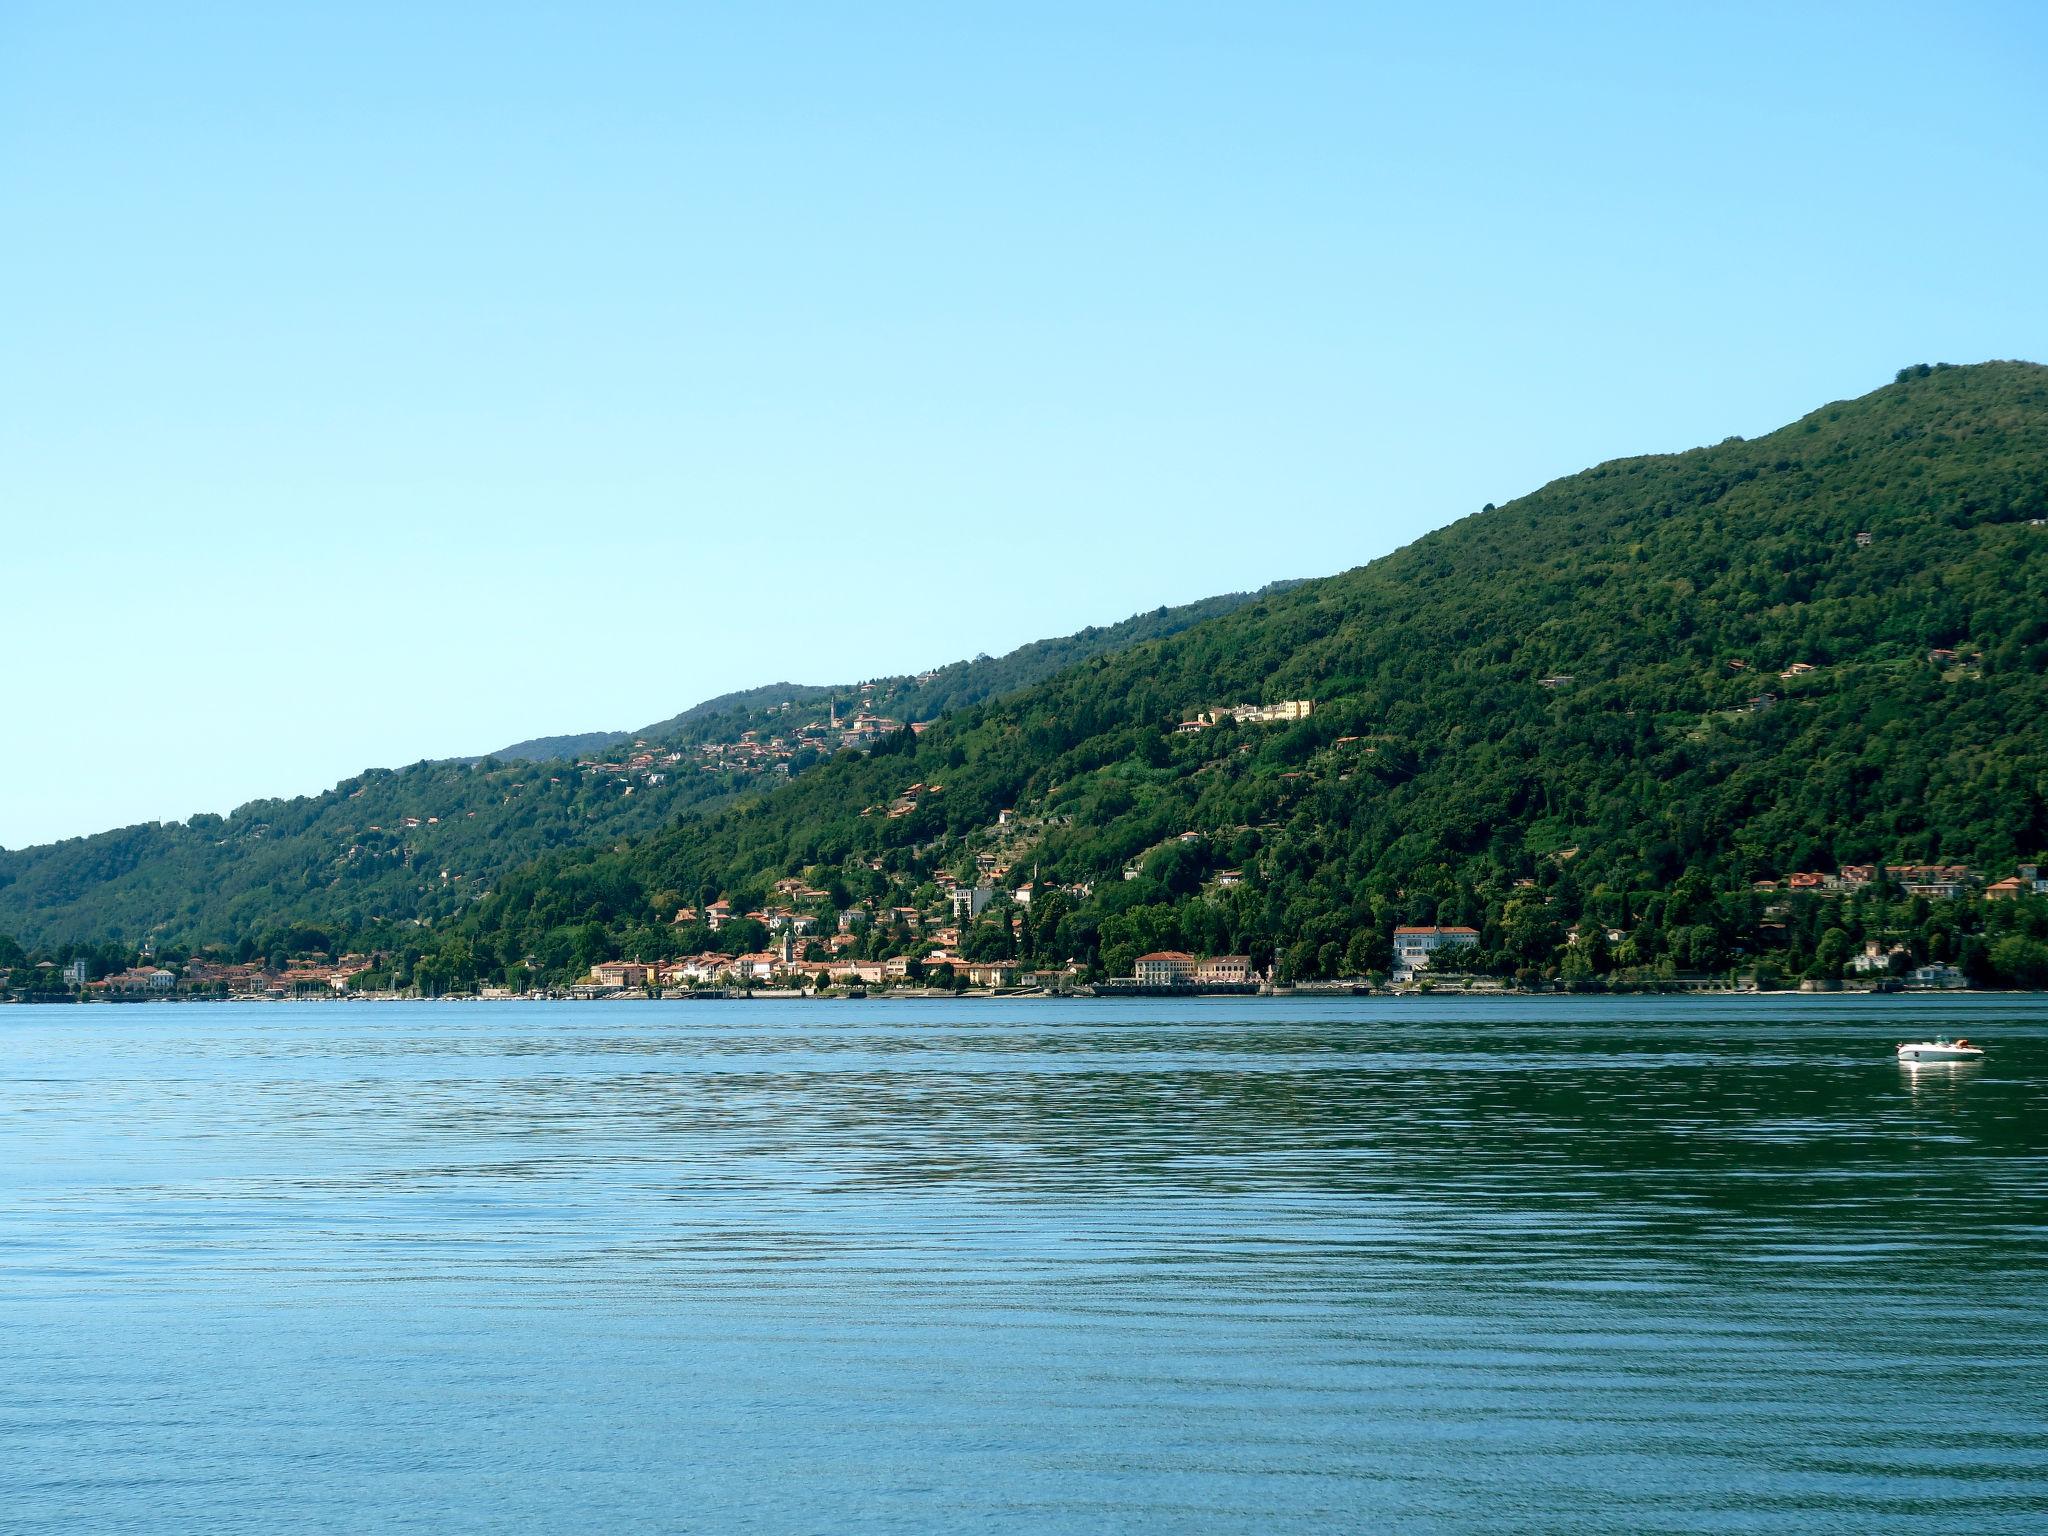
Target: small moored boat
1941 1050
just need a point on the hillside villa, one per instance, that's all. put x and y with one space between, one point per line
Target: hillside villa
1284 712
1176 968
1416 948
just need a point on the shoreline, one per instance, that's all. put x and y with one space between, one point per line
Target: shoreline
937 996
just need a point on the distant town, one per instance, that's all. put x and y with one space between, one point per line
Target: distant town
812 947
758 750
955 932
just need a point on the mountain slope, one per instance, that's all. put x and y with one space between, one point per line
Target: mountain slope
904 698
1546 716
420 844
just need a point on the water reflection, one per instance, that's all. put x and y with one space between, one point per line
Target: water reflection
1921 1075
1605 1266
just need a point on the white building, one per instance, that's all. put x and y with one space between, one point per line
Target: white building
1875 957
1415 948
1937 975
1271 714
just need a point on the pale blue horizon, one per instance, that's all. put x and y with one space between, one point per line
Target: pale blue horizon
381 385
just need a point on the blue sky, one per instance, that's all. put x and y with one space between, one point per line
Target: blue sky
380 382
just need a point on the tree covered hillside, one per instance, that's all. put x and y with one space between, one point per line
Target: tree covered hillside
1615 704
389 845
786 705
420 844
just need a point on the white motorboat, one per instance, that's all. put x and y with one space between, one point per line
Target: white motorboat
1941 1050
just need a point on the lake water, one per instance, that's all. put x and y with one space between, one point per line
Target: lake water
1231 1266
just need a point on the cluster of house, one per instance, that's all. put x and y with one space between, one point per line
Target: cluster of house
135 979
755 751
781 967
798 934
965 901
747 755
299 978
1166 968
1285 712
643 762
1888 959
1416 949
1940 882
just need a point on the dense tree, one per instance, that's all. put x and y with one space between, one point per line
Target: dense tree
424 843
1616 704
1557 717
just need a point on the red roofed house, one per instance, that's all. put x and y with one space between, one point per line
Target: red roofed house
1164 968
759 966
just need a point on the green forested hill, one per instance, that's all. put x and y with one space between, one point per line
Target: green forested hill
1565 713
1565 721
342 859
347 859
785 705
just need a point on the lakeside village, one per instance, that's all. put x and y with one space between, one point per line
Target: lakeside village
799 962
960 917
795 964
949 933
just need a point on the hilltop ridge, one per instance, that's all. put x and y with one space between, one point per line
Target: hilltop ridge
1618 704
905 697
1642 722
421 843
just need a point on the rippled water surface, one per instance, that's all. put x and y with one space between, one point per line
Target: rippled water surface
1546 1265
